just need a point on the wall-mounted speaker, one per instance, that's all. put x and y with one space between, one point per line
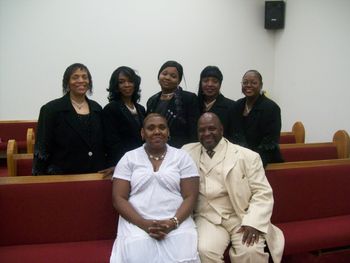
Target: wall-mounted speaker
274 14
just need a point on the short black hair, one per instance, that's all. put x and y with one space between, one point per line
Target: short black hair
113 89
68 73
172 63
257 73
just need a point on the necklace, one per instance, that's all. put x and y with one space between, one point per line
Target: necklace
167 95
79 105
132 110
248 109
157 158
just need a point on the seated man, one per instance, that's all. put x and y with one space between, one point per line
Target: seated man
235 199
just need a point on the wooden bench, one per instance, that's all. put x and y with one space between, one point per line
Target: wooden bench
17 130
338 148
297 135
18 164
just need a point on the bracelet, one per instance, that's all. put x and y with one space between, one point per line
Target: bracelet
176 221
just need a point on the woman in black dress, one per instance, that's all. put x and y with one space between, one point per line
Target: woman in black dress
179 107
123 115
69 136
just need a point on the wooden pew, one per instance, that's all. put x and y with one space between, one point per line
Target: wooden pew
17 130
56 219
338 148
18 164
297 135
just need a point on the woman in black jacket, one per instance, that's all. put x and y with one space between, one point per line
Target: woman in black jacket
256 122
179 107
210 98
123 115
70 131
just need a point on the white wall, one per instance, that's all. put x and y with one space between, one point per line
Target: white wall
312 67
303 66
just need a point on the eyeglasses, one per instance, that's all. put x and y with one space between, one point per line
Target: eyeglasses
247 82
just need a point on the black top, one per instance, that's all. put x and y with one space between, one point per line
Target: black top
122 130
222 107
182 114
68 143
259 130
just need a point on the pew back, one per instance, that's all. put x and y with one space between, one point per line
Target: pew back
53 209
297 135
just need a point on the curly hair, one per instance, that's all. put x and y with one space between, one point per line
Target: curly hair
113 89
69 72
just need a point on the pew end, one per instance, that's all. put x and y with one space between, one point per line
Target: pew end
18 163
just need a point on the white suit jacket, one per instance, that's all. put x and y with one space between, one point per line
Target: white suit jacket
249 191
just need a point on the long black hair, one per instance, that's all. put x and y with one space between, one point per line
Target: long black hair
113 89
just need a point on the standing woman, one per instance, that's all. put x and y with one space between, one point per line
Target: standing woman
257 120
211 99
179 107
70 131
123 116
155 188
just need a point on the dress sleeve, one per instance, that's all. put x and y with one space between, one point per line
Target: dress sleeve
44 141
187 166
123 170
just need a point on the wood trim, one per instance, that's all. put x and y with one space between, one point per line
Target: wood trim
303 164
52 178
342 140
16 121
298 131
30 140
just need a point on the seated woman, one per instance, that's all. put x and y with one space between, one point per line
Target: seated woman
155 188
210 98
179 107
70 132
256 121
123 116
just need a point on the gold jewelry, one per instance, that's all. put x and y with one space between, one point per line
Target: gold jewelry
167 95
176 221
157 158
247 109
78 105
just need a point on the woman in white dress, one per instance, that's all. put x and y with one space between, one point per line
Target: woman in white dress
155 188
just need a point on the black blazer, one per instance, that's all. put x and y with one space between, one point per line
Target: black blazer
222 107
260 130
122 131
182 116
62 144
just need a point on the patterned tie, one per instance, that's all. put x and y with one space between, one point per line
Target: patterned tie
210 153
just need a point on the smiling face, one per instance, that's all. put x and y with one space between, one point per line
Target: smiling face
210 87
79 82
169 79
251 84
155 131
210 130
126 86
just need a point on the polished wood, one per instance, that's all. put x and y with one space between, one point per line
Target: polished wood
298 131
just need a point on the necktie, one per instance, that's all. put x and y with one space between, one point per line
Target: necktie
210 153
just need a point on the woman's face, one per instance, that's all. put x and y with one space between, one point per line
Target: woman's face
169 79
126 86
210 87
155 132
79 82
251 85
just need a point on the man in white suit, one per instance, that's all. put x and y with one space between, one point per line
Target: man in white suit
235 199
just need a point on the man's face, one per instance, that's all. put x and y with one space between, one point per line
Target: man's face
210 131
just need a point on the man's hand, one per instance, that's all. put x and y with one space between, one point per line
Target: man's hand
250 235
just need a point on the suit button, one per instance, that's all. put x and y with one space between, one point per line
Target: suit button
90 153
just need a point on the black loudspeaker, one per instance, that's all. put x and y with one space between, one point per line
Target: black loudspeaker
274 14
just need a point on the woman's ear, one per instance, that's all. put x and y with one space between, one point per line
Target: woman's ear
142 134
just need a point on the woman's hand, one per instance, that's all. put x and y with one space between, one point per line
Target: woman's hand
158 229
